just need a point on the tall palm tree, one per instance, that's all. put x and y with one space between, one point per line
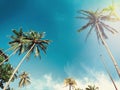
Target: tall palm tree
92 88
6 70
96 23
24 79
30 42
17 44
108 72
70 82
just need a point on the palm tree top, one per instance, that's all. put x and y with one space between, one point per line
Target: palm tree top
23 75
23 41
24 79
90 87
95 19
70 81
111 10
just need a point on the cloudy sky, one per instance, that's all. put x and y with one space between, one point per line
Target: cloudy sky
68 55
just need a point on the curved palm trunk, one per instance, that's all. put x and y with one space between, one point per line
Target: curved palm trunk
18 67
5 51
8 57
108 73
109 51
69 87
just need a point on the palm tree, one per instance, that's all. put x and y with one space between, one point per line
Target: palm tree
7 57
112 12
108 72
30 41
6 71
96 23
78 89
24 79
92 88
18 39
17 44
3 56
70 82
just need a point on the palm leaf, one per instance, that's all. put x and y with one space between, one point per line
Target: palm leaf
89 32
37 51
81 17
102 31
15 32
109 28
84 27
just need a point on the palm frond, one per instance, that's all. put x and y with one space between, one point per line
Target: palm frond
15 32
89 32
109 28
102 31
84 27
79 17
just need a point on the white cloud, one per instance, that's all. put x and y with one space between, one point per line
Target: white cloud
45 83
48 83
102 81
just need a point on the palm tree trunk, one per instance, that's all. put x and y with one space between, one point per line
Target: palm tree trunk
18 67
108 73
5 51
109 52
8 57
69 87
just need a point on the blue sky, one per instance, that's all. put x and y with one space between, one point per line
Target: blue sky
68 55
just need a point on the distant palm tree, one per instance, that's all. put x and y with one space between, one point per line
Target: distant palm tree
96 23
107 70
112 12
32 42
70 82
24 79
78 89
92 88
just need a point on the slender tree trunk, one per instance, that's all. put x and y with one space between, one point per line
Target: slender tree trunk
109 52
69 87
17 67
8 57
108 73
5 51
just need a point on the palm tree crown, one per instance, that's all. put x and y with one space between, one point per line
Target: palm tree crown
24 79
37 39
95 20
18 41
70 82
92 87
111 10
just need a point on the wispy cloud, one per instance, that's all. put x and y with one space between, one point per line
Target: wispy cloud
102 81
47 82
